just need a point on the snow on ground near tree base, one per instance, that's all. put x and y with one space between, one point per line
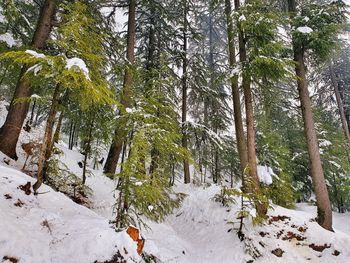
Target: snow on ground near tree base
199 232
52 228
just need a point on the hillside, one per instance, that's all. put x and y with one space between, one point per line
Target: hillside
52 228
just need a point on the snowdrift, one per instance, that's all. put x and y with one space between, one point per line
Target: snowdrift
52 228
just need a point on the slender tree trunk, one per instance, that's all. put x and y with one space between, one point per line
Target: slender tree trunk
214 106
11 129
152 66
254 184
56 136
324 209
339 102
120 132
32 113
87 149
241 142
187 176
44 150
38 111
71 135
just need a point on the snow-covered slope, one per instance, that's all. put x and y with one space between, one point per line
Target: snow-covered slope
52 228
199 232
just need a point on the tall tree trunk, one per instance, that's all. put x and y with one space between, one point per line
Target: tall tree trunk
339 102
11 129
87 149
44 150
211 61
57 133
120 132
32 113
324 210
254 184
187 176
241 142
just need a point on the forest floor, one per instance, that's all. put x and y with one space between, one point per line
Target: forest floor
50 227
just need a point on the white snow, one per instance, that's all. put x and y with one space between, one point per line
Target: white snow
35 54
242 18
306 19
36 68
324 143
200 231
35 96
129 110
265 174
8 39
52 228
78 63
305 30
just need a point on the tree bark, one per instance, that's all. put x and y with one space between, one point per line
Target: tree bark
87 150
45 146
11 129
324 209
254 184
339 102
241 142
187 176
57 133
120 132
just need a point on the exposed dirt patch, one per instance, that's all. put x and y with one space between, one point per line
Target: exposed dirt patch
278 218
19 203
7 196
263 234
290 235
11 259
319 248
26 188
277 252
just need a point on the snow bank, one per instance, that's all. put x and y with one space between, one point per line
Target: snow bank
52 228
202 231
197 232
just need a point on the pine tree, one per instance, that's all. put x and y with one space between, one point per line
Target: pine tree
324 23
126 94
12 127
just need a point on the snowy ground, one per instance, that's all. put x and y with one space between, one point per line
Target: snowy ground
199 231
52 228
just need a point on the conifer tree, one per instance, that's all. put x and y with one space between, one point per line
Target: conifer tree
12 127
125 96
325 23
238 120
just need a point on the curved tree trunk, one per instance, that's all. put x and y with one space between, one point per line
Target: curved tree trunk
11 129
120 132
324 209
